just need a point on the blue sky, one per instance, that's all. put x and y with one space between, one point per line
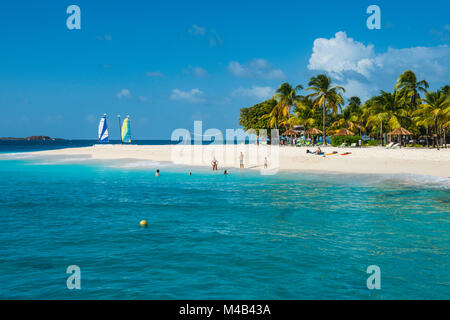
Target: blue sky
168 64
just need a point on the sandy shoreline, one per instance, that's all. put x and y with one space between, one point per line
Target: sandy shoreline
376 160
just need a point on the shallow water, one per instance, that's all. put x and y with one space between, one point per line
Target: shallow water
211 236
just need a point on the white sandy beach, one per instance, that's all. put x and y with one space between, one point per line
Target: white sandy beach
375 160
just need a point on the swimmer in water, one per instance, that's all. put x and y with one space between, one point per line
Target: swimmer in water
157 173
225 172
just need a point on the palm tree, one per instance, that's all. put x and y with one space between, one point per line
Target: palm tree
353 108
410 89
353 115
325 96
434 111
383 109
286 97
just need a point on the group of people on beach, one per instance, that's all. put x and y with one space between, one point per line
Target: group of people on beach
215 164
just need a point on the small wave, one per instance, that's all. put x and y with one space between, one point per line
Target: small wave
15 156
414 180
138 164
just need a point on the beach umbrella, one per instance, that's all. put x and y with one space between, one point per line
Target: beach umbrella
313 131
344 132
290 133
400 132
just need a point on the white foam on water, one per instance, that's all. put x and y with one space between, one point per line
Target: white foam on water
16 156
411 180
130 164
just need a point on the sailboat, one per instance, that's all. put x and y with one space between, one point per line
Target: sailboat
103 130
126 133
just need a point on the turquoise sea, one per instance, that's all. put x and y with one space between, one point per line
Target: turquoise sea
212 236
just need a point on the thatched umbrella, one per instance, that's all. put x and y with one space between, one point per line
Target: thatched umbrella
400 132
344 132
313 131
290 133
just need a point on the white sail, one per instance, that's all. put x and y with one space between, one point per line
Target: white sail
103 130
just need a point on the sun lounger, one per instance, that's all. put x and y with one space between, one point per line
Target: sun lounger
395 146
342 145
353 145
389 145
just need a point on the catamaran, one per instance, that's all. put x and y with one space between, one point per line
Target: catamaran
126 133
103 130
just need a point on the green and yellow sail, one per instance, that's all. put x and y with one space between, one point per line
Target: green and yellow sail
126 135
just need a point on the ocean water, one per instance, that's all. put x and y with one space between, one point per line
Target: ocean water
215 236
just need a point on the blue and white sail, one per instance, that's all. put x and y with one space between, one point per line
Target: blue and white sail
103 130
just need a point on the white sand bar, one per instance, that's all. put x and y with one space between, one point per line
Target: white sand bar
361 160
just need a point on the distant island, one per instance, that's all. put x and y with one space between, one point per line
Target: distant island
33 138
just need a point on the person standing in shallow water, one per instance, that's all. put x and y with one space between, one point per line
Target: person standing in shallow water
241 161
157 173
214 164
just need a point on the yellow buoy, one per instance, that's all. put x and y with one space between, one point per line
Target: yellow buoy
143 223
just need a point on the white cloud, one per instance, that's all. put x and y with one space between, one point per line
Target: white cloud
143 99
213 37
196 30
197 71
364 72
258 68
260 93
156 74
340 54
124 93
215 40
357 88
193 96
432 63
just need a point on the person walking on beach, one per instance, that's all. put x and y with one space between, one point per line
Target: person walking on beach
241 161
265 162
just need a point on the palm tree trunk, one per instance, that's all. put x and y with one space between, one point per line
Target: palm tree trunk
428 144
381 133
445 137
324 134
436 133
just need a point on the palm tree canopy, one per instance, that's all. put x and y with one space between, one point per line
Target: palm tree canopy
286 96
435 108
344 132
323 93
410 89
